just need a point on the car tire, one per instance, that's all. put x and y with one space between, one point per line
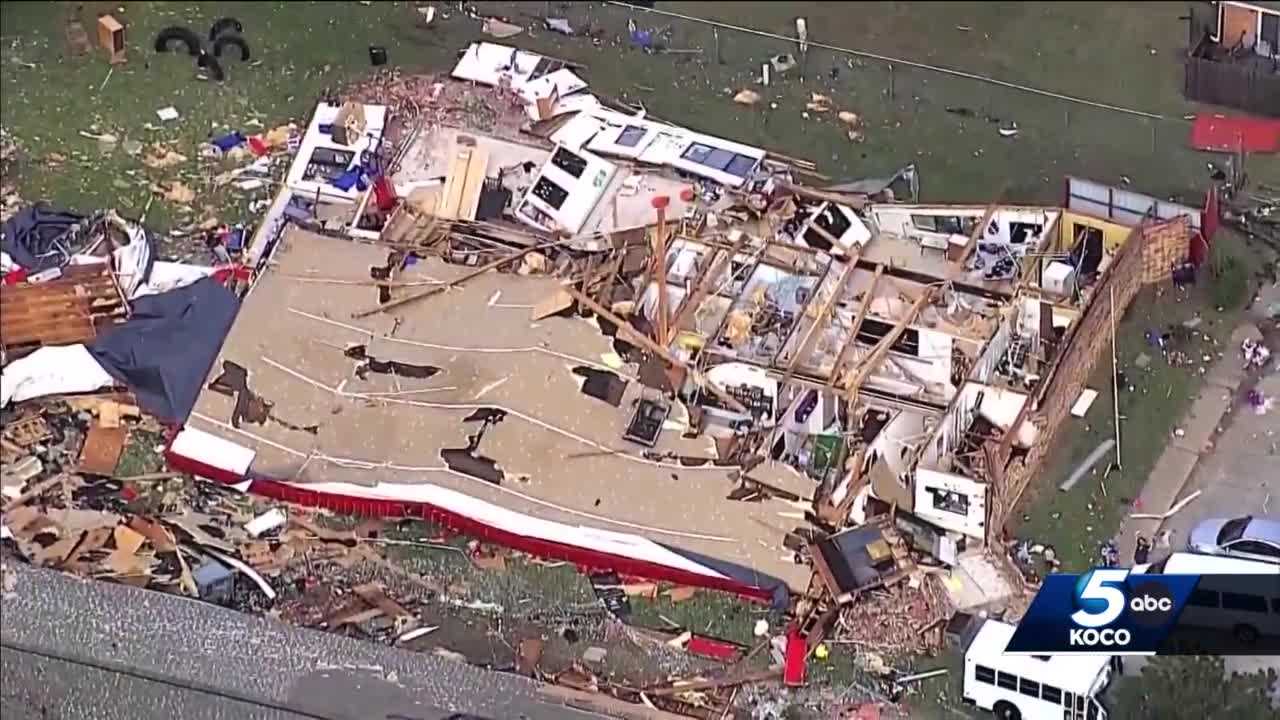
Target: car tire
222 25
166 37
1246 634
1006 711
234 40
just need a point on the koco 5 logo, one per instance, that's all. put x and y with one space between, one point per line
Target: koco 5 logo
1102 597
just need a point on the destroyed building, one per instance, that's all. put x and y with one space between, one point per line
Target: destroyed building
594 335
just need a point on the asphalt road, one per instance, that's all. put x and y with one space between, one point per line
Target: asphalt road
73 649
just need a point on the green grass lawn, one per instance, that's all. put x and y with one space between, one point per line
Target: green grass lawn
302 49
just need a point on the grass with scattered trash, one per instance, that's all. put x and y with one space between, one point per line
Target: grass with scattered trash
302 50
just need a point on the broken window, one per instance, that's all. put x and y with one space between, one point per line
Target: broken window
550 193
831 219
569 162
630 136
697 152
725 161
1086 254
945 224
950 501
740 166
1020 233
871 332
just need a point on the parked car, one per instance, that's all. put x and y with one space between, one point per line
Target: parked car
1248 537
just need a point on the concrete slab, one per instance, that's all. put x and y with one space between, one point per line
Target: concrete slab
1158 495
1202 420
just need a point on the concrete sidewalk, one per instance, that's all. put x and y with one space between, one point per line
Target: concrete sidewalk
1217 397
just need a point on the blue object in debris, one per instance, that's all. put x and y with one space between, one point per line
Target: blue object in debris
214 582
353 178
228 141
643 38
235 240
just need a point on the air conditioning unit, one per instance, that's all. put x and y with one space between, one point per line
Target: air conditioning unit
1059 279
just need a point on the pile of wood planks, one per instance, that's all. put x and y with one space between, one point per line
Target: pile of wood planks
64 311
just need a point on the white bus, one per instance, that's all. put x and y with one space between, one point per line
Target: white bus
1249 607
1032 687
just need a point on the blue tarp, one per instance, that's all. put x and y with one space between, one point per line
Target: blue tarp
39 237
165 349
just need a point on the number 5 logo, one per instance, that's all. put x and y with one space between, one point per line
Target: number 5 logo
1101 587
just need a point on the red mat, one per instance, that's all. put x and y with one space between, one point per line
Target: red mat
1222 133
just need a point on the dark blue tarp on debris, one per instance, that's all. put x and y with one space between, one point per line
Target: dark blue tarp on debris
165 349
780 595
37 238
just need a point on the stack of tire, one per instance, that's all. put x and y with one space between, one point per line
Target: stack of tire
225 32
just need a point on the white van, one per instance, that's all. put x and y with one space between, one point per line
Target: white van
1249 608
1032 687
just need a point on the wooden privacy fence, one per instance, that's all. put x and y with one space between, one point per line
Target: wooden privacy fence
1247 87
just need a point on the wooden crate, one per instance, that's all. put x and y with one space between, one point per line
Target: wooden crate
111 38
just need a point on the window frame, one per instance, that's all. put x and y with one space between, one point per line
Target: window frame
1001 676
627 132
569 163
556 205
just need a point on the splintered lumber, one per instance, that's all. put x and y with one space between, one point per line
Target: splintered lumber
856 327
802 351
451 197
872 361
695 685
976 233
471 188
857 201
644 341
451 284
660 274
703 288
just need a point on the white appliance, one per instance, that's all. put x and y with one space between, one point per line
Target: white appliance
1059 279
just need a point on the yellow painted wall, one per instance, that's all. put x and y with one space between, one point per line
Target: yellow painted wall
1113 234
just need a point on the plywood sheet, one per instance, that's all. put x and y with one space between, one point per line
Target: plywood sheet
476 166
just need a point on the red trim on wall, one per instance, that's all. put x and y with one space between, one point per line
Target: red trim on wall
587 559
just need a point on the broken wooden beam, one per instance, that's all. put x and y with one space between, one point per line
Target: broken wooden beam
702 289
644 341
856 327
715 684
452 283
872 361
803 350
857 201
